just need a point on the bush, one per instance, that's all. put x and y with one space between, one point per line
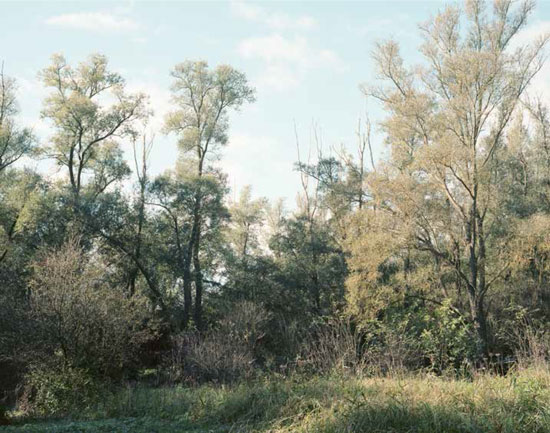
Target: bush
533 345
57 391
334 346
446 339
391 345
4 419
83 319
217 358
224 354
412 338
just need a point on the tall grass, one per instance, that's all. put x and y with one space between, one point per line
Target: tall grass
518 402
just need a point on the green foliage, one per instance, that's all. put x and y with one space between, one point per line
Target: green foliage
82 319
4 419
429 261
311 264
422 404
86 129
15 142
205 124
203 99
58 390
449 203
247 216
446 338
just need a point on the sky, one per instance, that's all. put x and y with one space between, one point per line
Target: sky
306 59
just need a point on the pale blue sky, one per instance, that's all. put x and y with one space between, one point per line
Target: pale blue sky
306 60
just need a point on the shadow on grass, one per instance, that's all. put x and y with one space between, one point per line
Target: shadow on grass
323 405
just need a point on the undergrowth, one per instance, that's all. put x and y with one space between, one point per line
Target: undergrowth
518 402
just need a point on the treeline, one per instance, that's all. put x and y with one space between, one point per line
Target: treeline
437 257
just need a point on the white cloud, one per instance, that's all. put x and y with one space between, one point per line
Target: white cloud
93 21
273 20
247 11
287 60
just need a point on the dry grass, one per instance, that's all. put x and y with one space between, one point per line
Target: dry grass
519 402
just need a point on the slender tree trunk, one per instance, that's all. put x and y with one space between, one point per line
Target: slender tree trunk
187 298
315 274
476 286
192 256
71 170
10 234
141 219
184 271
155 292
196 237
481 316
198 284
197 271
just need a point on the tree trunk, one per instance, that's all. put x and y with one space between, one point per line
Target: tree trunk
196 239
197 271
476 286
481 316
134 272
198 286
187 299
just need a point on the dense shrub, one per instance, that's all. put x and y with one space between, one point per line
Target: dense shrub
81 318
58 390
335 345
224 354
446 339
4 420
533 345
217 358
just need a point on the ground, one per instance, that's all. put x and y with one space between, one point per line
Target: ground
518 402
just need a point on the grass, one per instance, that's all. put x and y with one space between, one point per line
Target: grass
519 402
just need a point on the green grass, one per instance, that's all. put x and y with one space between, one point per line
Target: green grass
423 404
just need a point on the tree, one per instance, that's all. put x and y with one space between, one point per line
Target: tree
115 226
438 200
141 169
247 216
245 265
15 142
87 128
203 98
19 192
340 182
311 264
172 195
21 197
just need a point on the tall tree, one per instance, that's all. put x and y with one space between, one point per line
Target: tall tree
447 127
203 98
87 128
141 158
15 142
